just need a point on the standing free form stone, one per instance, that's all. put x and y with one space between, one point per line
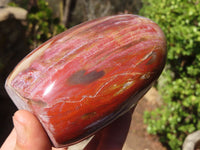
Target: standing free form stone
82 79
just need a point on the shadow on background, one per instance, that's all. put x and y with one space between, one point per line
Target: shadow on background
13 48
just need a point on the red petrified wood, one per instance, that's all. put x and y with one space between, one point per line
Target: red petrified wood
82 79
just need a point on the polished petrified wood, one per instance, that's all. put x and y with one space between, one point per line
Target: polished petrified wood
82 79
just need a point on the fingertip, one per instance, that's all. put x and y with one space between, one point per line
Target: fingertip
25 117
30 133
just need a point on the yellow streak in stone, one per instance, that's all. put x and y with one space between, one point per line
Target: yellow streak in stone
125 86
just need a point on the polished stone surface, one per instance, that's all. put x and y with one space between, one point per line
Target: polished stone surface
84 78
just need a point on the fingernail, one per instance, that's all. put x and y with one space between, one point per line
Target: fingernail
20 129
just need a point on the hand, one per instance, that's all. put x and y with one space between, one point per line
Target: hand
29 134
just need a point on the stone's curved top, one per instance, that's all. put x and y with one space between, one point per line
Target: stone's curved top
15 12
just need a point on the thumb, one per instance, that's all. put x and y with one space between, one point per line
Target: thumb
30 133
